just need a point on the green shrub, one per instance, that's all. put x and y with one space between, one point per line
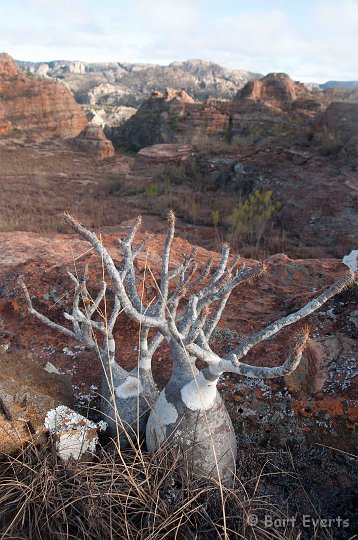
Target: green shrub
151 191
249 220
216 217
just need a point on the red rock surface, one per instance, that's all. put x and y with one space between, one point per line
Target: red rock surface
325 385
39 108
276 91
170 94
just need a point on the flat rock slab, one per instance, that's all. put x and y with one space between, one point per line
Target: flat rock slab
29 387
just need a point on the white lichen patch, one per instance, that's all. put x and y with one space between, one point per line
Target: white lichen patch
68 351
199 394
74 444
111 345
74 435
351 260
165 411
131 387
163 414
65 419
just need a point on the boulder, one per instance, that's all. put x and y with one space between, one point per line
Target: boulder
93 140
151 160
75 437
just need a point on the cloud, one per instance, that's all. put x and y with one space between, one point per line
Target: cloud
311 40
180 17
335 41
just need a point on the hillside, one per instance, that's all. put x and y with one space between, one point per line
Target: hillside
349 85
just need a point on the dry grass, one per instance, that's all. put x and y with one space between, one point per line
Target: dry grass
133 495
38 181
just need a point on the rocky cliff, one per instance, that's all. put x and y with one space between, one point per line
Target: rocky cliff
261 108
272 104
277 91
40 108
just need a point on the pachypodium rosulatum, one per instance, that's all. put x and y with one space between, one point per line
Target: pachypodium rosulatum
188 413
126 396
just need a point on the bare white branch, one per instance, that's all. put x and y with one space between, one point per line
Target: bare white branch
124 297
43 318
275 327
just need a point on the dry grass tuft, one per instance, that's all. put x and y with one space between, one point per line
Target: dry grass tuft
133 495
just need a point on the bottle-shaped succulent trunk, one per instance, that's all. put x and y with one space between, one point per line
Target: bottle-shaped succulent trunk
126 398
191 416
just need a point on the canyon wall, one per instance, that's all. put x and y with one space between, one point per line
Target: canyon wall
40 108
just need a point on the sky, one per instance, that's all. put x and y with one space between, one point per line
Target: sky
311 40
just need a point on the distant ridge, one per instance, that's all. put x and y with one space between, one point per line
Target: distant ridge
129 84
348 85
126 84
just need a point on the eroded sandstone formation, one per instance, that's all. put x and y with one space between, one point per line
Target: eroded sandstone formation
267 106
271 104
39 108
93 140
123 84
173 117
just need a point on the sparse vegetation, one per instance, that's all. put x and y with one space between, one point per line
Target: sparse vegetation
38 180
249 221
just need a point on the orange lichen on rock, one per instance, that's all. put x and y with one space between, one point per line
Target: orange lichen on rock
307 409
